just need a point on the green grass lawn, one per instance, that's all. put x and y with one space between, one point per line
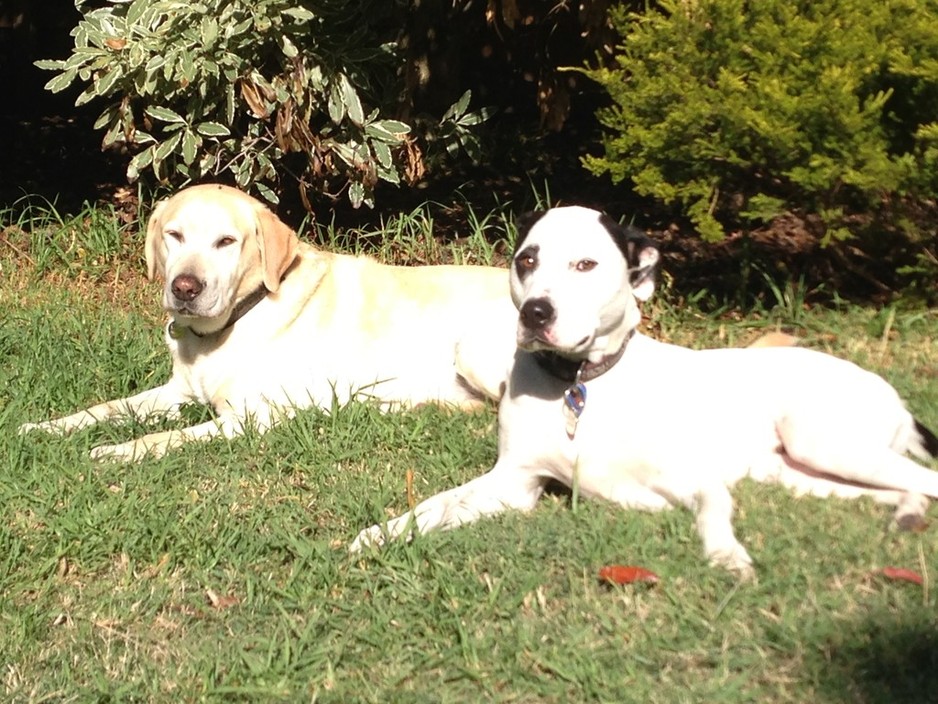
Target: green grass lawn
219 572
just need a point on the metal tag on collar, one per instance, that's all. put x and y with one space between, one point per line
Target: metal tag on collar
574 401
177 332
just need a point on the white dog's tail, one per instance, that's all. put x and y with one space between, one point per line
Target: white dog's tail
924 444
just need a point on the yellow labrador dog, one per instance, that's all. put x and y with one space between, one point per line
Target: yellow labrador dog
262 323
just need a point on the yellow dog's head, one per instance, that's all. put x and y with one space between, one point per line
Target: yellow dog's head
213 245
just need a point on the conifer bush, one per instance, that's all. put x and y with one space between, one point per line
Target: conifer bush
738 111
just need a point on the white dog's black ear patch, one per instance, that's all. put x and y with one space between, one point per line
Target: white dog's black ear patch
641 255
642 276
524 224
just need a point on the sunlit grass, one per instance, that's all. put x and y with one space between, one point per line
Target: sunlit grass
219 572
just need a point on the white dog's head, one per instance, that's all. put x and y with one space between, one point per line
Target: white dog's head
214 245
576 278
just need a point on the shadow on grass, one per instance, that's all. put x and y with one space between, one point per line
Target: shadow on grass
887 658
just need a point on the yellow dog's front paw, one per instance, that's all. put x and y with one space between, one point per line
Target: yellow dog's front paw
45 426
125 452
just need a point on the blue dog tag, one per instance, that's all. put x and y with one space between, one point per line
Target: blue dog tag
574 401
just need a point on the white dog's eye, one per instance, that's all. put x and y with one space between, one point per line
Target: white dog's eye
526 262
585 265
225 241
175 234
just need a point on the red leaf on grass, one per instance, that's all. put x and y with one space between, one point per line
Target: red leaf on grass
627 574
902 574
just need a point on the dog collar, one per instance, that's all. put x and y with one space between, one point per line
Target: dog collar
242 308
578 370
576 373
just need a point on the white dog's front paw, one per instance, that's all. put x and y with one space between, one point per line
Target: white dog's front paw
735 559
373 536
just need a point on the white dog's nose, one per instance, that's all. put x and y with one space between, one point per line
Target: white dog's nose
536 313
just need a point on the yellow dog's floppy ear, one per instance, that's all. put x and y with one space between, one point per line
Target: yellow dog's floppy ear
153 248
278 244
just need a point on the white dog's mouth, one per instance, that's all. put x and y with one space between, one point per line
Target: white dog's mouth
531 342
545 339
538 330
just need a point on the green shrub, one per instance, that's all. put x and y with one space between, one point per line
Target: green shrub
252 88
738 111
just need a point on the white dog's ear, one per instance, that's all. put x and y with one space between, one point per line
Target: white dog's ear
641 256
278 245
153 249
642 273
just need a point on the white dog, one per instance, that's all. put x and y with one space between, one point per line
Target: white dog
262 323
616 415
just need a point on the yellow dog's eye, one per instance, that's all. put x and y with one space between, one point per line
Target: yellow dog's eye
175 234
585 265
224 241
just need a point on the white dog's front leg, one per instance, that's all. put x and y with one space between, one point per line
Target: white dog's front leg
714 508
500 489
162 399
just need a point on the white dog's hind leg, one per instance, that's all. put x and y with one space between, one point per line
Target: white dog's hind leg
714 509
910 511
854 459
910 507
498 490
